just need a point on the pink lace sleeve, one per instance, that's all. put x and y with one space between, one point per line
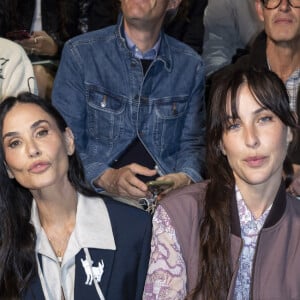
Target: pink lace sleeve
166 278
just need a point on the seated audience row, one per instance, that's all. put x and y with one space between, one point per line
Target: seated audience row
134 100
54 245
42 28
45 35
260 43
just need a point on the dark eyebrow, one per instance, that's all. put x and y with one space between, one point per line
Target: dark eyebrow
33 126
256 112
259 110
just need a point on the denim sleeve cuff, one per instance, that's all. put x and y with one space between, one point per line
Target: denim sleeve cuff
192 174
92 172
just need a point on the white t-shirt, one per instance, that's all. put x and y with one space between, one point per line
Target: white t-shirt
16 73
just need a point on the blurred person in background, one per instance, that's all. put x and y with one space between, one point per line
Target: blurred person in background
230 28
41 27
16 73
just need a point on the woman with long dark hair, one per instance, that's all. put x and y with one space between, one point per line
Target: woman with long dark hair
58 239
237 235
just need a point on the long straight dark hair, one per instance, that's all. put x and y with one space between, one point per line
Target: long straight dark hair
215 271
17 234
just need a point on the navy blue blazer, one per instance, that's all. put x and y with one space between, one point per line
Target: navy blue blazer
125 268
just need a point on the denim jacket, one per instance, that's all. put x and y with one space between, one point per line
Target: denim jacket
101 91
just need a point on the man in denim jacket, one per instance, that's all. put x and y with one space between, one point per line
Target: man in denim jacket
134 98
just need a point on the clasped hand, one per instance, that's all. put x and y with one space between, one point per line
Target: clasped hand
123 181
40 43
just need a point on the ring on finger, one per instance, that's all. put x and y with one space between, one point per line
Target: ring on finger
35 40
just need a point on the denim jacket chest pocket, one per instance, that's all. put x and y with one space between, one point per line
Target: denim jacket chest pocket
105 115
170 114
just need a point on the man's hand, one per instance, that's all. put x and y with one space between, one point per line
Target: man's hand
123 182
179 179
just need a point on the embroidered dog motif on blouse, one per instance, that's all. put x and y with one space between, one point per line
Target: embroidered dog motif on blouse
92 272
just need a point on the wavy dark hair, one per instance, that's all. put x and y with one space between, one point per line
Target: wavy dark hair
215 258
17 234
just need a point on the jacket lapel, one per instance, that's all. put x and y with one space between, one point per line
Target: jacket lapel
34 291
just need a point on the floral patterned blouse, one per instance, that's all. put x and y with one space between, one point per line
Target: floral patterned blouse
250 228
166 278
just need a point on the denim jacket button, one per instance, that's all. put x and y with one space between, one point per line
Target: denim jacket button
104 101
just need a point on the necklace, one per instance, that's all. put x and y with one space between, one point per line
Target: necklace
58 236
59 247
